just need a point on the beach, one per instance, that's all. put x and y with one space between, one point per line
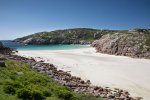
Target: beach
105 70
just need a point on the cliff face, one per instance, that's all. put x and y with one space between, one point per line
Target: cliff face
133 43
68 36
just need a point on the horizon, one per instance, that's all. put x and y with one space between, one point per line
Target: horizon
22 18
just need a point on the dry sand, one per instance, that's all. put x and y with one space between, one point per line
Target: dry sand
105 70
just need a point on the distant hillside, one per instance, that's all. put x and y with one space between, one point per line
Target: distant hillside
67 36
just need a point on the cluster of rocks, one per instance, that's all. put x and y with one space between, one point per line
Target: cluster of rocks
125 44
5 50
138 30
75 83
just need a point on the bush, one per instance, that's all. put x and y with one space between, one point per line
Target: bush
64 94
9 89
37 95
24 93
47 93
11 86
13 83
27 93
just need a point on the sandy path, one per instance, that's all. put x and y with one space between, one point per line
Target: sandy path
101 69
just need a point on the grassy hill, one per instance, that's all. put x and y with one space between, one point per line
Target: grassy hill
19 81
67 36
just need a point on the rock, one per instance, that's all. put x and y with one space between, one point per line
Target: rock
103 95
19 73
137 30
137 98
83 42
49 72
120 98
125 92
5 50
82 82
117 94
41 61
2 64
88 81
110 96
97 35
96 88
3 58
77 89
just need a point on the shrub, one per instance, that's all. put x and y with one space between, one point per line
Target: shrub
30 93
13 83
47 93
11 86
64 94
24 93
9 89
37 95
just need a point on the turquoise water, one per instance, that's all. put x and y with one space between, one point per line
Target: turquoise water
42 47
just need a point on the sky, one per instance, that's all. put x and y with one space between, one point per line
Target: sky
23 17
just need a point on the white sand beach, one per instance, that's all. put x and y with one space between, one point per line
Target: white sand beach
105 70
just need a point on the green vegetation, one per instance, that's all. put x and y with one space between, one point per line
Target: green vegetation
147 40
19 81
81 36
68 34
65 36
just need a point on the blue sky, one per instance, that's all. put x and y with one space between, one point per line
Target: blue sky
23 17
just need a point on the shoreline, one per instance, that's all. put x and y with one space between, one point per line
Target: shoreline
79 61
75 83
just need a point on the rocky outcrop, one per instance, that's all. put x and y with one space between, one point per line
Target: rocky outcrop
137 30
126 44
5 50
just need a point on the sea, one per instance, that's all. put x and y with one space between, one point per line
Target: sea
20 46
